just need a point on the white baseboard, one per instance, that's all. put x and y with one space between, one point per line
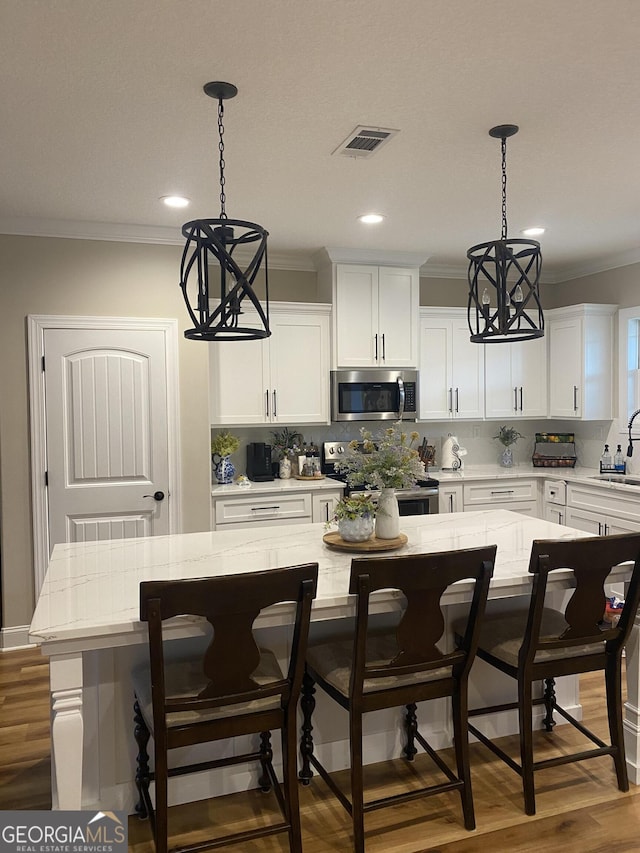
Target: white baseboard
15 638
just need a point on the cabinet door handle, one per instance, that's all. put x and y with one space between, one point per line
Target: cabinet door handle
502 491
376 337
263 508
599 529
266 397
560 521
457 410
275 411
575 398
450 503
521 398
326 511
451 400
384 353
515 399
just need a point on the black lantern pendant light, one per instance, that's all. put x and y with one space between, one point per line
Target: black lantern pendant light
504 300
215 240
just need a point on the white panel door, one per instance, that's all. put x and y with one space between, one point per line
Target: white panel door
106 433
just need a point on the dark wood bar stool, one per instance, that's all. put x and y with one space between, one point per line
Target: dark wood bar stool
231 688
538 643
370 671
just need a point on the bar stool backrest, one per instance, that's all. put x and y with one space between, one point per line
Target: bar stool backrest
590 561
422 579
231 605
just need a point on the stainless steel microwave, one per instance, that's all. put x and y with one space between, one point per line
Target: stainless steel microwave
374 395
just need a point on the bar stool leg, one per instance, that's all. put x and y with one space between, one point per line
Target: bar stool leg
459 708
289 767
549 699
525 713
613 684
141 734
357 782
307 704
266 757
410 727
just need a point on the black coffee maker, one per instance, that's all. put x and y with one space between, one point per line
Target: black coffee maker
259 462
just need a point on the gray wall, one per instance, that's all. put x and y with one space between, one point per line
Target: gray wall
80 277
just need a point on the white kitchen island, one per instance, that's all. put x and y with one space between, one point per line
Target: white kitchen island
86 620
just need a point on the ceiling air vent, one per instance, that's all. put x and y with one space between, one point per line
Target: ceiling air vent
365 141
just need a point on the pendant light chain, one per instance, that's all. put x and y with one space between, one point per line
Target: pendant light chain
223 197
504 188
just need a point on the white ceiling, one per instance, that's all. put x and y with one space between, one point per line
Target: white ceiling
102 112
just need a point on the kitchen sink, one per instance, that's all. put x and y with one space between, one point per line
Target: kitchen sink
617 478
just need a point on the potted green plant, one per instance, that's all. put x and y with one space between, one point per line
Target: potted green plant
507 436
222 446
286 446
355 517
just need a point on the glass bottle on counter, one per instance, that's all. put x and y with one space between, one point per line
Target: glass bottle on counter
605 460
618 460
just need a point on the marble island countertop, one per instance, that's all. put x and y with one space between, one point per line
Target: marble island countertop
90 595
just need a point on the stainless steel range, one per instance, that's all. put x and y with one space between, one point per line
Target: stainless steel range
422 499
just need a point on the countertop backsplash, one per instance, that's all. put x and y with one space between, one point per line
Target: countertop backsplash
475 436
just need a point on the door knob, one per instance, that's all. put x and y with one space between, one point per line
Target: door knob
157 496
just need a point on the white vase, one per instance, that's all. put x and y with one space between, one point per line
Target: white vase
285 468
356 529
387 515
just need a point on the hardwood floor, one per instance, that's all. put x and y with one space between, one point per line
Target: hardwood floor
580 809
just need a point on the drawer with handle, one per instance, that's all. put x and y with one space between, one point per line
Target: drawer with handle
500 492
267 508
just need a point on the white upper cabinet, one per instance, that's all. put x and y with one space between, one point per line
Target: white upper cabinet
280 379
376 299
451 367
581 375
376 316
516 379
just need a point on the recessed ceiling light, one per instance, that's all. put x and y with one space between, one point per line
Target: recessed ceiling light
533 232
175 201
371 218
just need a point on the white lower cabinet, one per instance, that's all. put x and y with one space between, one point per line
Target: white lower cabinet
450 498
323 505
556 514
602 512
515 495
240 511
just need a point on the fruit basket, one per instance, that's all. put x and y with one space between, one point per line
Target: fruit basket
554 450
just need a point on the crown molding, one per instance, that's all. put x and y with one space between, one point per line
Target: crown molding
369 256
610 262
297 261
123 233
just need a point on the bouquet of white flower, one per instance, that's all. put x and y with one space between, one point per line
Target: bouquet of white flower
388 461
